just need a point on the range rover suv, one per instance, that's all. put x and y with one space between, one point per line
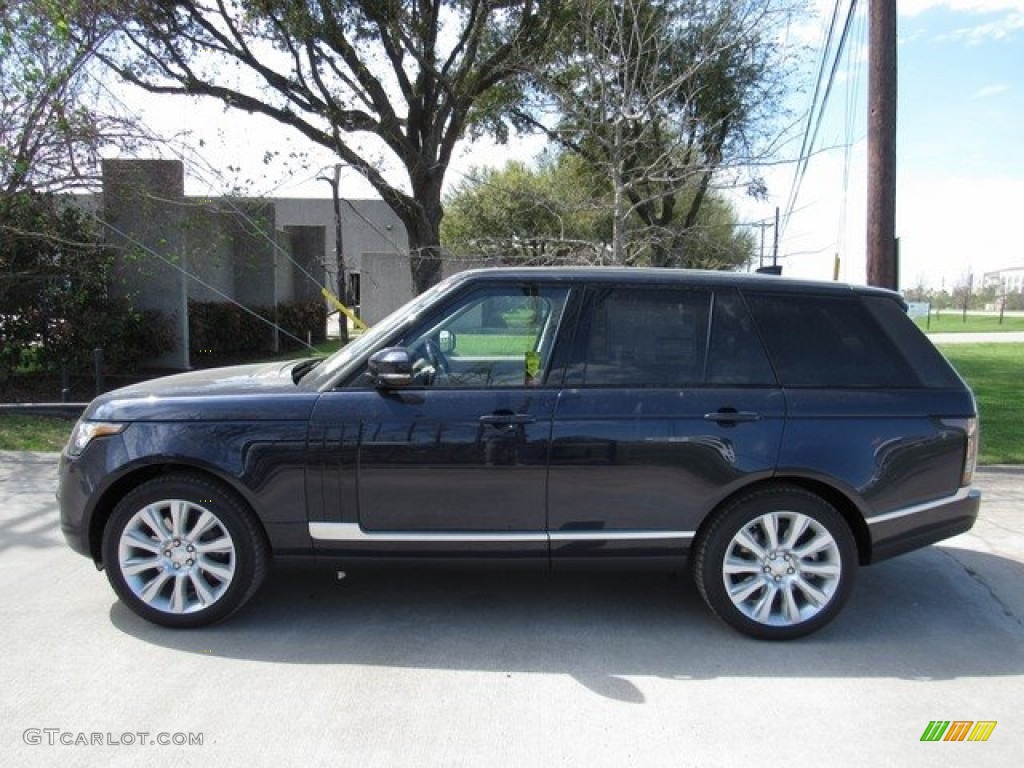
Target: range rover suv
770 435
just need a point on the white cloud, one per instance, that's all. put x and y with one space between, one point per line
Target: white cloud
915 7
1000 29
991 90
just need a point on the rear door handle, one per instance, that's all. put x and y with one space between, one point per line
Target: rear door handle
731 416
507 419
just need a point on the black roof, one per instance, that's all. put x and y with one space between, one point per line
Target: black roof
648 275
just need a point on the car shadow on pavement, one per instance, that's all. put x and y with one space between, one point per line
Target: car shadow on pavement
919 617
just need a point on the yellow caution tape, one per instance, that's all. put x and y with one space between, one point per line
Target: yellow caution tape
342 308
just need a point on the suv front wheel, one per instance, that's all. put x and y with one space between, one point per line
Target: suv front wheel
776 563
182 551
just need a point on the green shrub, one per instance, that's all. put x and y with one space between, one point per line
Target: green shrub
222 331
55 302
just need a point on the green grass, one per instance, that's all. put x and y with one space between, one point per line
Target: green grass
20 432
951 321
324 349
994 372
497 345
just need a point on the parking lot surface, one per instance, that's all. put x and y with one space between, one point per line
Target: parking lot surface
498 669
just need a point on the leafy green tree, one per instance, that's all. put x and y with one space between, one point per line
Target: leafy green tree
383 84
552 214
561 213
55 307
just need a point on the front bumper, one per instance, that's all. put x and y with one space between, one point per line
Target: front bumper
72 500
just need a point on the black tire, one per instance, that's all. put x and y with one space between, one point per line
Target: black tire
197 574
781 591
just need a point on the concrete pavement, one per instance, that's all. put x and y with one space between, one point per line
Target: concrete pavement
507 670
1009 337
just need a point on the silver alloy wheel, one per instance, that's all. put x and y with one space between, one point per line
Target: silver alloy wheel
782 568
176 556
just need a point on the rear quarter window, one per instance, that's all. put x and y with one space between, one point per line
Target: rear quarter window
828 341
932 368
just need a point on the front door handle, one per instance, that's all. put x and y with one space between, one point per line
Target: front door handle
731 416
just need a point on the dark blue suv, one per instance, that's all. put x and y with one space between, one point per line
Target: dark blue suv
772 435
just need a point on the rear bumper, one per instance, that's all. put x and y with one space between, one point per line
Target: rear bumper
908 529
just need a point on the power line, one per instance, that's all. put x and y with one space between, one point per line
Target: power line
811 137
852 113
804 148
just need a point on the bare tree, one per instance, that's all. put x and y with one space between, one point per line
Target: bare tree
661 96
383 84
52 120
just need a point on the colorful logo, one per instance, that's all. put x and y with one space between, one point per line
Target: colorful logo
958 730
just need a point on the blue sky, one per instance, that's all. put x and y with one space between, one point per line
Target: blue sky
960 163
961 100
960 173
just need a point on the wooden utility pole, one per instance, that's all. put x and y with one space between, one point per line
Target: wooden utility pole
881 234
339 251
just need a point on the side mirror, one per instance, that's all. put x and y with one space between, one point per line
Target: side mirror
391 368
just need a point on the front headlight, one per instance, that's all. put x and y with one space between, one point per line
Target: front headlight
86 431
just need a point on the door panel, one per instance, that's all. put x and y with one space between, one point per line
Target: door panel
432 473
671 406
443 460
652 461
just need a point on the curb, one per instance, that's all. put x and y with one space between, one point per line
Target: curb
1001 469
29 457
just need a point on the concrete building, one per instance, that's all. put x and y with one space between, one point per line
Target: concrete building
256 252
1010 280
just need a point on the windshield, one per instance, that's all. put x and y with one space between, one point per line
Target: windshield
356 349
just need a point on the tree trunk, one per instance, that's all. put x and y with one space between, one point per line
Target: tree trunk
424 231
421 215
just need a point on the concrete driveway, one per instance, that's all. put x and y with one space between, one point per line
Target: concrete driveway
507 670
1006 337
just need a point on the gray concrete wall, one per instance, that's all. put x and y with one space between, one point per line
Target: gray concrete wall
256 252
368 226
253 251
284 270
386 284
208 246
143 208
387 281
306 245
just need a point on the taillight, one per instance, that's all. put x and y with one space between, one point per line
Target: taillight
970 430
971 459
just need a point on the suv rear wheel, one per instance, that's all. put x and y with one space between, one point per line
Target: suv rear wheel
182 551
776 563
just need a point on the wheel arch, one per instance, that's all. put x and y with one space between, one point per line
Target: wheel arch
838 498
140 474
